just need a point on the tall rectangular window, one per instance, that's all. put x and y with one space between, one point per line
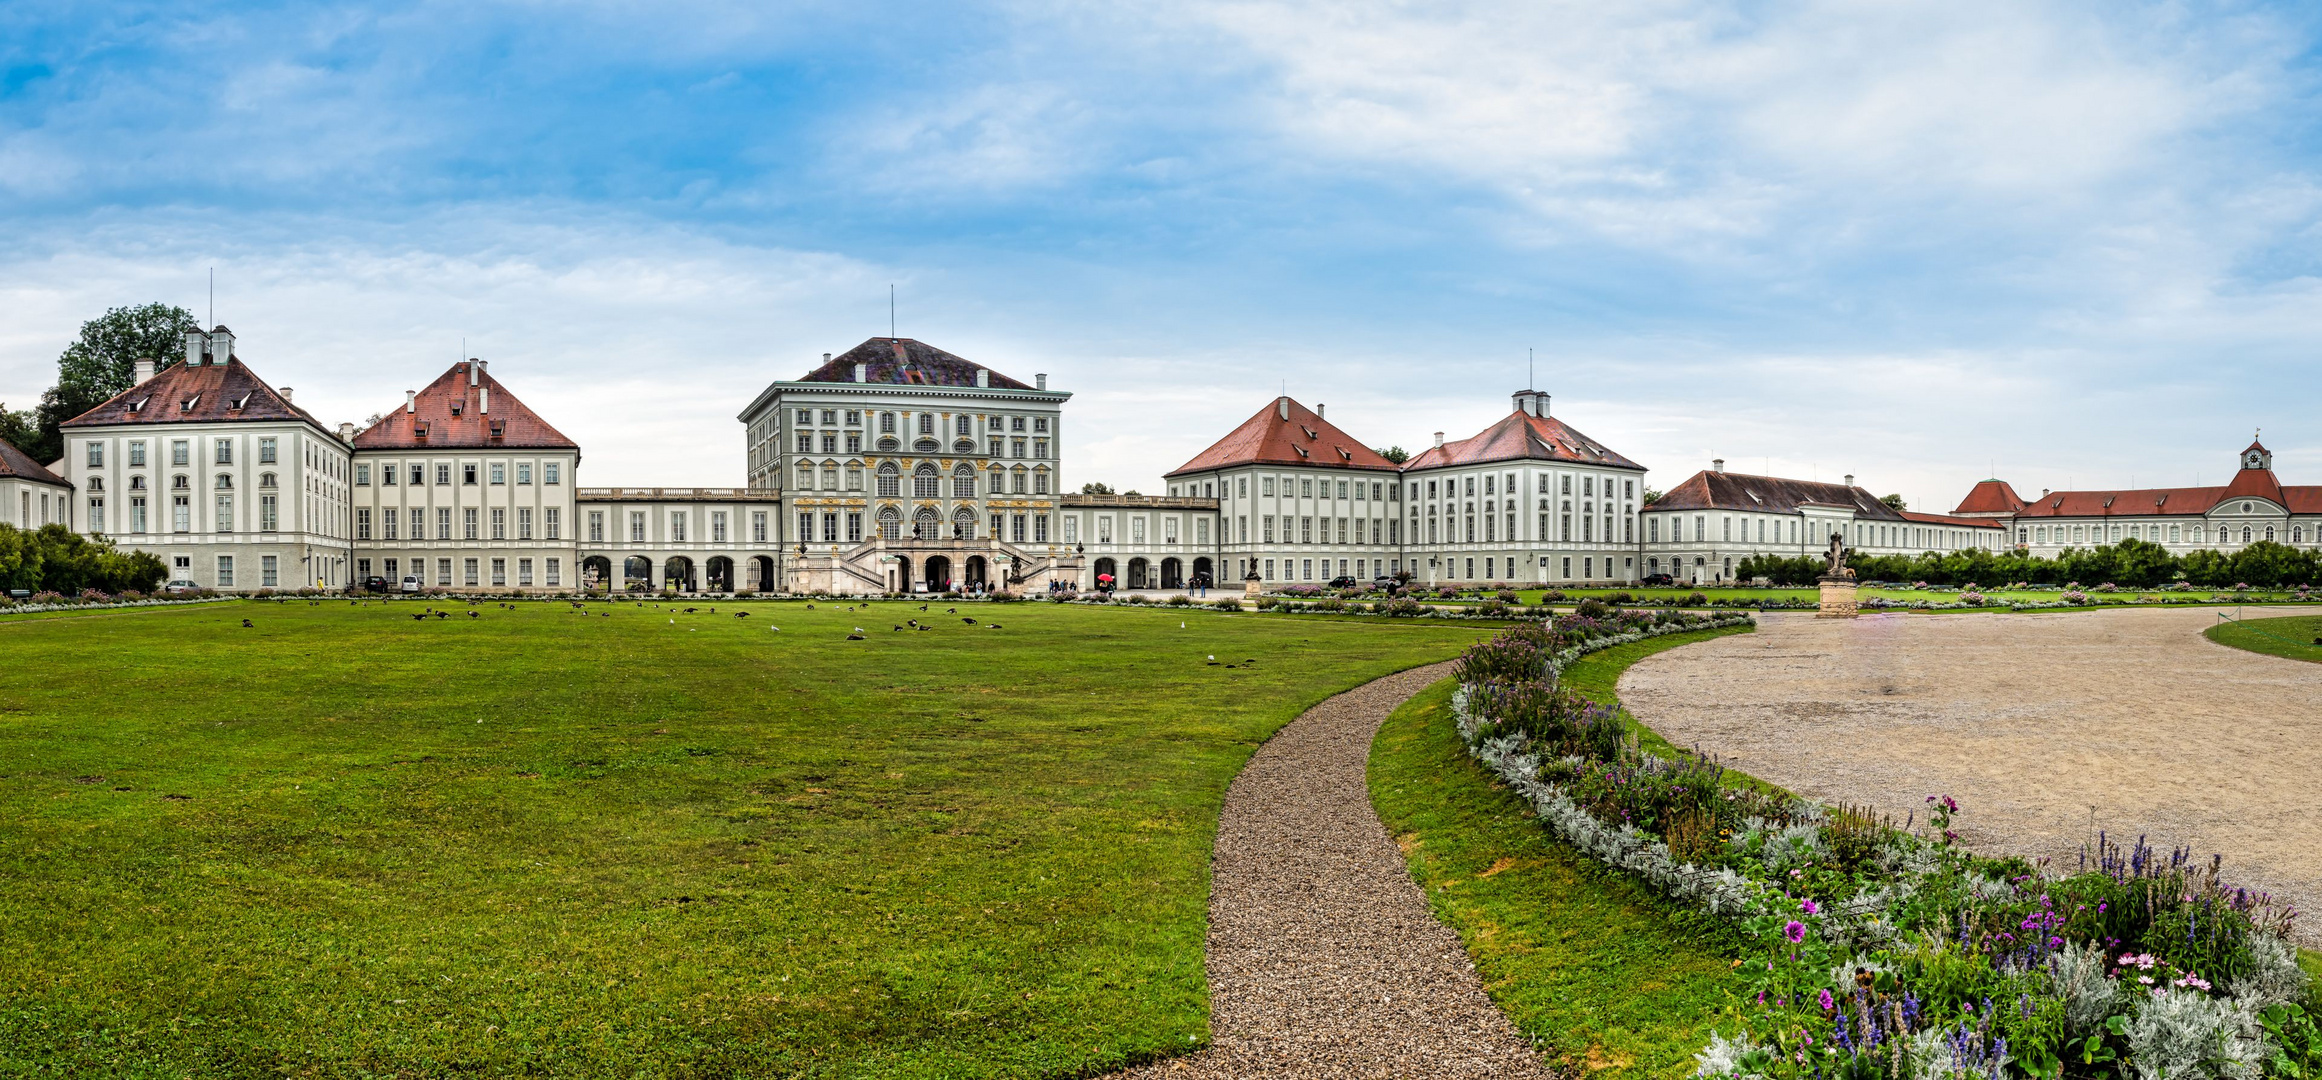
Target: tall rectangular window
442 523
443 573
136 513
523 473
523 523
677 527
596 526
499 571
266 512
266 452
1016 528
524 572
180 513
758 527
854 526
443 474
549 474
636 526
468 524
225 571
554 523
137 452
830 527
1039 528
96 455
718 526
268 571
554 576
499 523
96 515
806 527
178 452
225 522
225 451
468 573
387 523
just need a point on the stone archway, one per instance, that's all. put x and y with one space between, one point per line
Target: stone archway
677 574
976 574
1203 573
720 571
1172 574
762 573
938 573
596 573
636 573
1102 569
1140 574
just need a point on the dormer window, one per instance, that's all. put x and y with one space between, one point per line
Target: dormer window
237 403
499 428
419 429
139 404
188 404
459 407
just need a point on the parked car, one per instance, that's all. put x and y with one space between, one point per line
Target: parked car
1343 581
410 584
1659 579
375 583
181 585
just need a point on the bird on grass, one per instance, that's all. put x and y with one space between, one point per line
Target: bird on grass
991 626
475 615
968 619
898 628
741 614
854 637
951 611
246 624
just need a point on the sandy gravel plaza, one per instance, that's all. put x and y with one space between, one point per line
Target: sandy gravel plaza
2045 727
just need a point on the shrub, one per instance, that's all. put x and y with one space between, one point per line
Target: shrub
1180 600
1226 603
1592 608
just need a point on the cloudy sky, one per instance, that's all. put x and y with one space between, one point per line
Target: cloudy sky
2075 243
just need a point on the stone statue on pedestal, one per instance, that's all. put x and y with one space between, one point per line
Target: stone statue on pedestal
1837 583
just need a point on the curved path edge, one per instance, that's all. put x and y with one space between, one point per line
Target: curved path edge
1323 957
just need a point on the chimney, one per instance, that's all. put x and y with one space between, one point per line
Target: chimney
197 345
1318 407
862 371
983 376
1717 464
484 401
411 401
1439 440
1850 479
826 359
475 374
1282 406
1040 382
285 392
484 367
346 432
144 371
221 344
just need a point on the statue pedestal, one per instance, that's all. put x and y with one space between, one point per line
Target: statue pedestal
1837 598
1250 587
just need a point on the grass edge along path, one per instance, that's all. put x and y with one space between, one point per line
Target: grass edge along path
2287 636
1602 974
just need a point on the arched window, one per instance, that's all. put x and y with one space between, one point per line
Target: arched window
805 476
2269 533
963 481
890 523
886 423
136 483
960 425
2297 534
923 524
963 524
925 484
179 483
225 481
890 481
266 480
2245 534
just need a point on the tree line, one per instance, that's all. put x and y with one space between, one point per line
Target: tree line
100 363
2134 564
56 559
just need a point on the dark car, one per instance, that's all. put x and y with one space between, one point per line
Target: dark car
1343 581
375 584
1659 579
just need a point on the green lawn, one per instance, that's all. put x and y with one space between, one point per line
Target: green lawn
1533 596
1600 972
347 843
2290 637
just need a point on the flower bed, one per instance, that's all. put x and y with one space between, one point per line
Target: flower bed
1884 950
39 602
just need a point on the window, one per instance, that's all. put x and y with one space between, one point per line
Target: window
523 473
524 572
468 573
225 522
523 523
97 455
468 524
963 479
137 513
443 575
890 481
266 451
96 515
499 523
499 571
555 572
387 524
1040 482
225 571
225 451
926 423
266 512
499 472
268 568
718 526
1016 423
443 474
1306 487
180 513
1040 528
178 452
1267 527
596 526
924 483
548 475
137 452
362 523
468 473
362 476
442 525
758 521
554 523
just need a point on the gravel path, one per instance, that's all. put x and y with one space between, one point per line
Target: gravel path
2045 727
1323 958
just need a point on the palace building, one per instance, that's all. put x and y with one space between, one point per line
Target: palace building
896 466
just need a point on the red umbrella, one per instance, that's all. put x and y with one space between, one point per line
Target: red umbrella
1104 577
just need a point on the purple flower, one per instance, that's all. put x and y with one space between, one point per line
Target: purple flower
1810 908
1827 1004
1795 931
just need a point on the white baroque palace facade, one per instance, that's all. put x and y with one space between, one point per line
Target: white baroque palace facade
897 466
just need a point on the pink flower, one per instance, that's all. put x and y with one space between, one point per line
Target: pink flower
1827 1004
1795 931
1810 908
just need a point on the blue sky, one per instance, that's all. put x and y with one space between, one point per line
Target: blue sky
1916 242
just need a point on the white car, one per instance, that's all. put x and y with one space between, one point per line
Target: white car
181 585
411 584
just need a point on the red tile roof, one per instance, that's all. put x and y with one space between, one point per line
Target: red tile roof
905 362
16 464
1520 436
1990 497
1947 519
196 393
451 413
1711 490
1302 437
2176 502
